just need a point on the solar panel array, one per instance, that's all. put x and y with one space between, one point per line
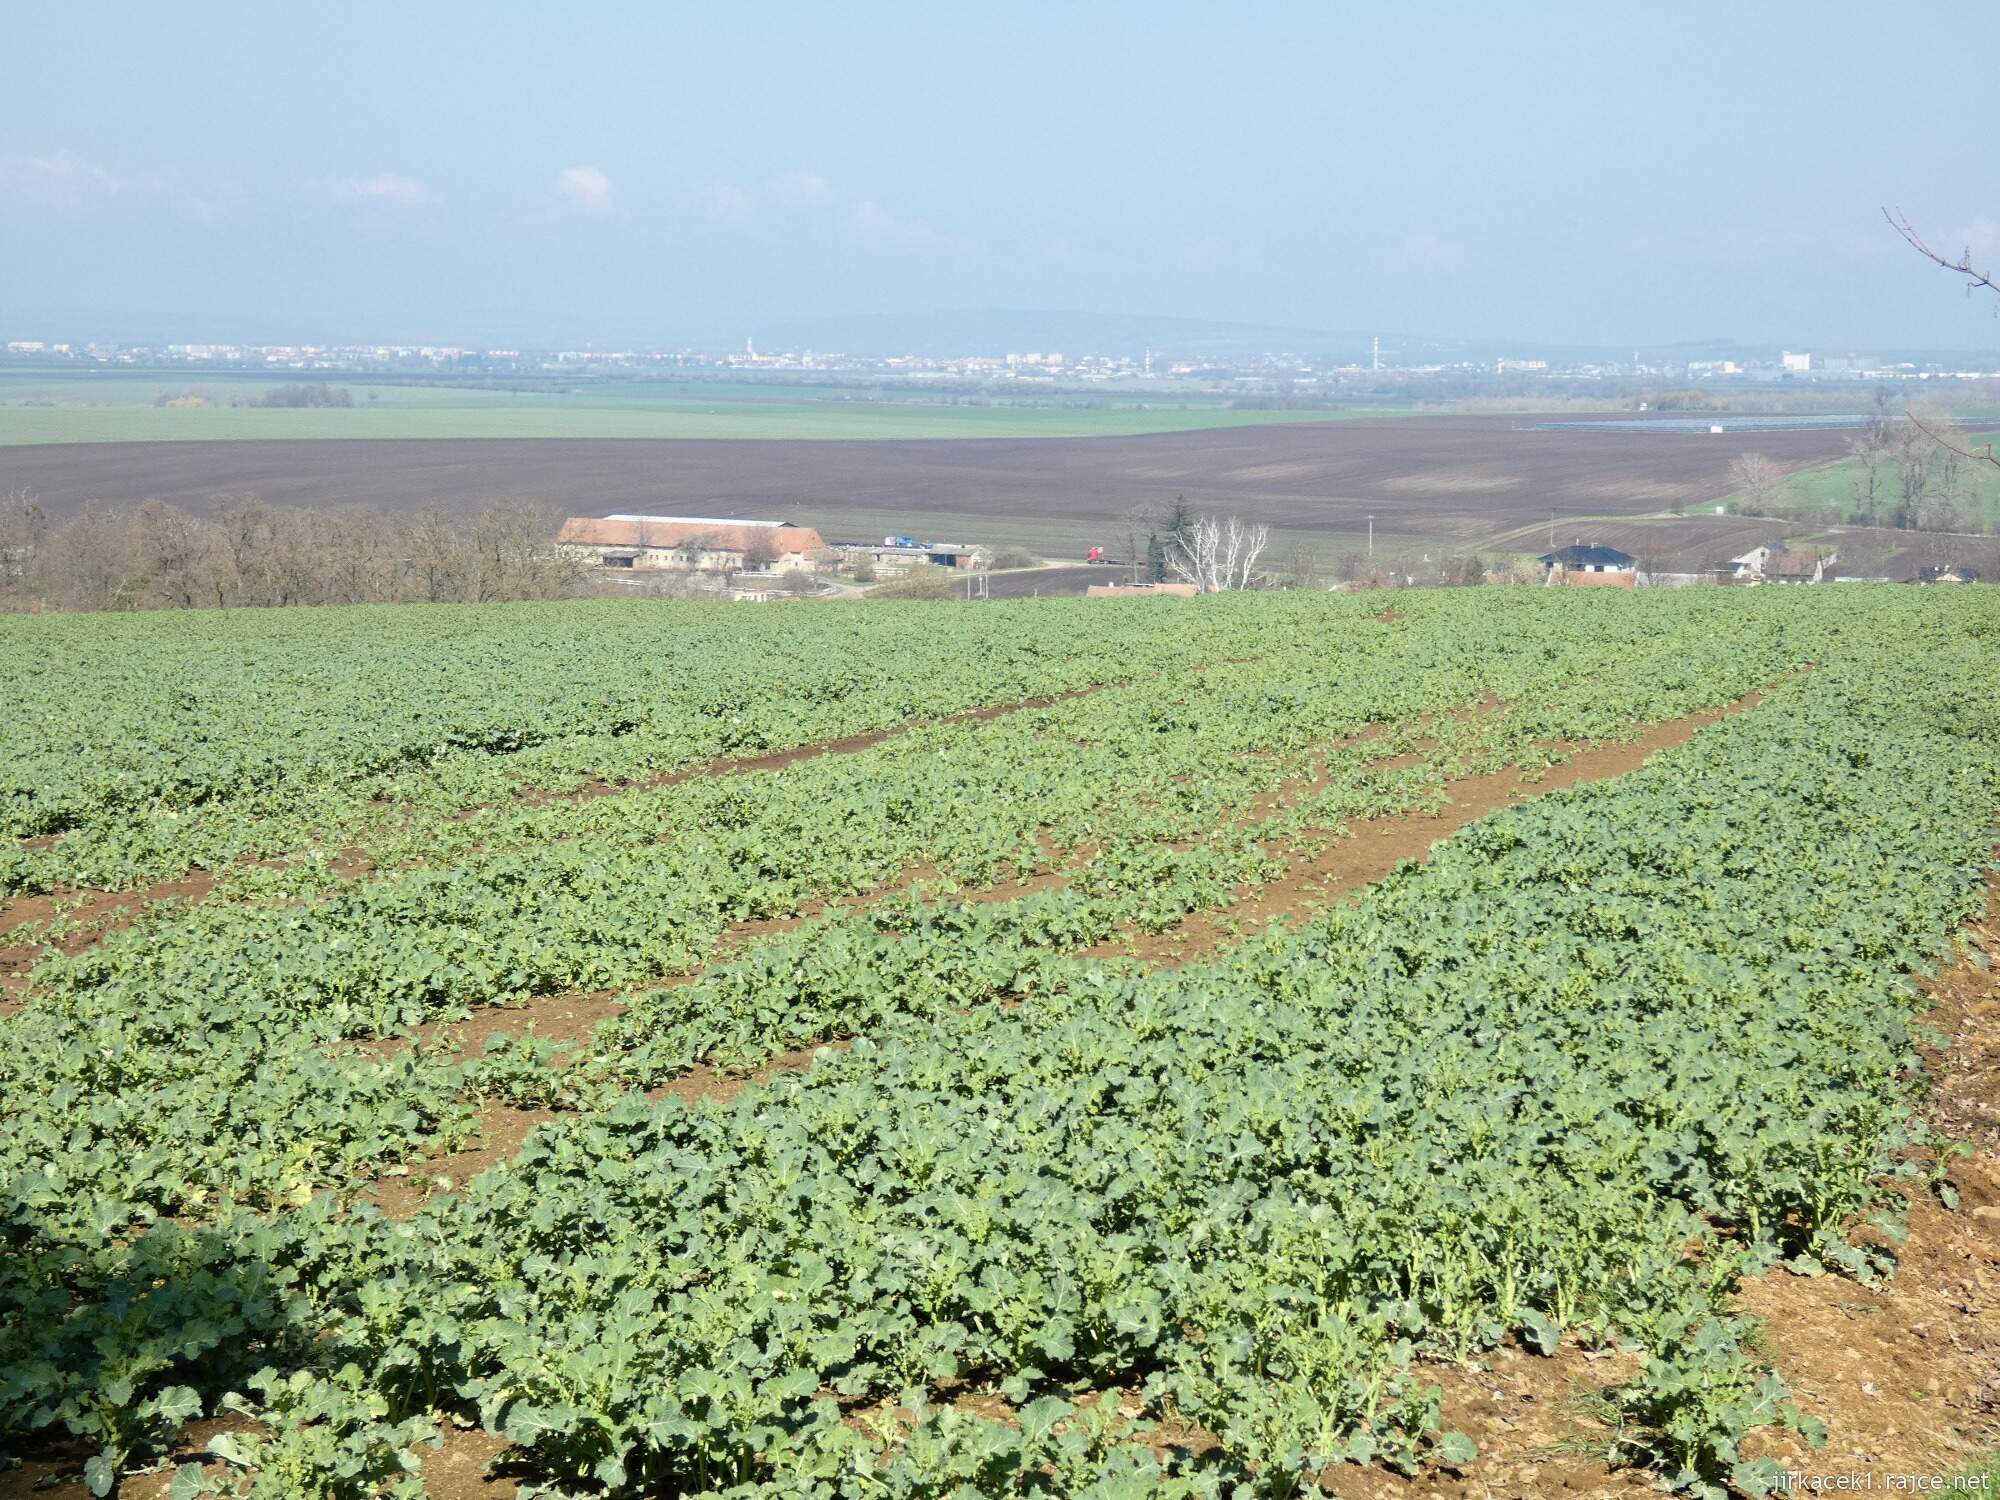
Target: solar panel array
1707 423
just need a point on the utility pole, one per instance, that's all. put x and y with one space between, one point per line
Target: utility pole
1552 531
1371 533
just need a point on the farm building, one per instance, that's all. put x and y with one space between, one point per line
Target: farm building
1799 565
1748 567
1946 573
692 543
1591 564
894 555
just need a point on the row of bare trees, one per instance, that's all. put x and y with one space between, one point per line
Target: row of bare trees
1908 473
1934 484
1221 554
248 553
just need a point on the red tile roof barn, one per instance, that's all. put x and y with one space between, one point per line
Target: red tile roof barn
732 536
1799 562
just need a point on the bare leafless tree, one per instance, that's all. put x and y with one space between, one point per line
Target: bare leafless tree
1301 567
436 557
1871 450
1217 556
1176 523
1462 570
693 546
513 555
24 530
1135 530
175 554
1758 479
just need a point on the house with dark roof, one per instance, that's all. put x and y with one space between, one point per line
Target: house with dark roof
1588 563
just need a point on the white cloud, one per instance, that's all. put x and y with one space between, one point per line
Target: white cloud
799 188
1424 250
1208 254
61 180
64 182
874 228
726 206
586 190
389 187
1981 237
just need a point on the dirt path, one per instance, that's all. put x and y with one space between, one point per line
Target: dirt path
1374 847
503 1128
98 913
777 760
86 916
1906 1375
1372 850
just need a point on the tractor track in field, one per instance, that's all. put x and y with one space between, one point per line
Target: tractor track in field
1369 850
778 760
1374 847
1906 1376
96 912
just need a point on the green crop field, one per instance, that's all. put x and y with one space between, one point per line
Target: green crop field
838 1050
120 409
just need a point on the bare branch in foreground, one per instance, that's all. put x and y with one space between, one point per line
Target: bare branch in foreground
1984 455
1963 266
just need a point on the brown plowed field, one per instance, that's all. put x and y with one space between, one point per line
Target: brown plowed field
1461 480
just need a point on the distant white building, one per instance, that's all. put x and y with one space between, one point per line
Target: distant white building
1795 364
1749 567
1774 562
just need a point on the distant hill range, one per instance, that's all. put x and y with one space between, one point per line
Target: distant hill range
967 331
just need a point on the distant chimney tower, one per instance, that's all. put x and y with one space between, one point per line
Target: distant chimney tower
1375 353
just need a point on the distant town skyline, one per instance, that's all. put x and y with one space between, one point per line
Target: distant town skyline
1273 369
501 176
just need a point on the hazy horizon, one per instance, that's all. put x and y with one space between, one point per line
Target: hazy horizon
497 177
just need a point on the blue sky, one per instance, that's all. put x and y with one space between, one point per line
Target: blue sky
501 173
